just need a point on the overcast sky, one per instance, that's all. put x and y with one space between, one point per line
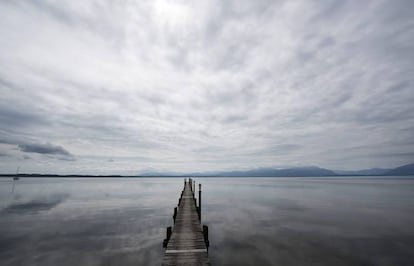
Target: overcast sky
124 87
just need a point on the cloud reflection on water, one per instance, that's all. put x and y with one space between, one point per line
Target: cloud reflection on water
251 222
308 222
36 205
103 222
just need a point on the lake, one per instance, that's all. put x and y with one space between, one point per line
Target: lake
252 221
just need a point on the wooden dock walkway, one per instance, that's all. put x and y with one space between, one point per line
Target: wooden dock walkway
187 241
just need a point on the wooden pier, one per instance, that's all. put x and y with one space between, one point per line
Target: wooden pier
187 241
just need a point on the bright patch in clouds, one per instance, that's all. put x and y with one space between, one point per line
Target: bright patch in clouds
172 14
126 87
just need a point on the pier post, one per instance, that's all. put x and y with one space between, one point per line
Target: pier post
175 214
168 236
193 188
199 201
205 234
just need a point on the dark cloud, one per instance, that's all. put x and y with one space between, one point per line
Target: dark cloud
46 148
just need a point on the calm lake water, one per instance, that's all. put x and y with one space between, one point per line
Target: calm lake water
252 221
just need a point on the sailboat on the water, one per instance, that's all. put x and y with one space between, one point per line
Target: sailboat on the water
16 177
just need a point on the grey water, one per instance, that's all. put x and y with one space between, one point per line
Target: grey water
252 221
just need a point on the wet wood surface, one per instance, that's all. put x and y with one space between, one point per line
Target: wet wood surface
186 245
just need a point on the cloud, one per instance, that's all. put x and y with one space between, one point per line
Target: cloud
208 85
46 148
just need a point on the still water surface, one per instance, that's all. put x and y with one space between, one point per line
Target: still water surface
252 221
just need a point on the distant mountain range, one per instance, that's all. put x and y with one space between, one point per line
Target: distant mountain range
399 171
269 172
299 171
405 170
402 170
373 171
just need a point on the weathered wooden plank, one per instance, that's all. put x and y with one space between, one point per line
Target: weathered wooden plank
186 245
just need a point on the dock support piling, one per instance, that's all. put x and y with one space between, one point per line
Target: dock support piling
205 234
199 201
175 214
165 242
